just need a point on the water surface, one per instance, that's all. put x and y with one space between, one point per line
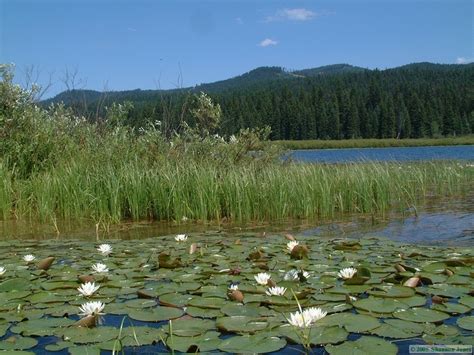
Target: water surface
460 152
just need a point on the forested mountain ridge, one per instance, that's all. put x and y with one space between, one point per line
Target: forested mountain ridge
332 102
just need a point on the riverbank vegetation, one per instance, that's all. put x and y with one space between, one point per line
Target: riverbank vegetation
376 143
56 165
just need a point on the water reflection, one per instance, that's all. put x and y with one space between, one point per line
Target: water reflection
439 221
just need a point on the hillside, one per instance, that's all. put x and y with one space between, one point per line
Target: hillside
331 102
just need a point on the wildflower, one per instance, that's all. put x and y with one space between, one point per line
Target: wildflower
262 278
276 291
294 275
181 238
2 270
88 289
291 245
105 249
234 287
29 258
98 268
91 309
347 273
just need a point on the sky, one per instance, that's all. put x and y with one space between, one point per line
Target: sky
122 45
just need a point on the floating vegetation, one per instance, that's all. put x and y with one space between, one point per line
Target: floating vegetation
233 295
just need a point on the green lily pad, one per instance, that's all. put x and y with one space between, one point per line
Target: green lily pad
362 346
466 323
354 323
392 291
452 308
237 309
389 331
16 284
17 342
202 343
84 349
241 324
379 305
203 312
190 327
421 315
252 344
157 314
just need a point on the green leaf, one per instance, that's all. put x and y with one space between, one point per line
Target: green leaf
363 346
252 344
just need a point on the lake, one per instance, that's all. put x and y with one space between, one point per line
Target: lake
154 278
462 152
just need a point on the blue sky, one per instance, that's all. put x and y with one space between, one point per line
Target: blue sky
145 44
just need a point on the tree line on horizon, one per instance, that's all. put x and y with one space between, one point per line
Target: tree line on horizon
414 101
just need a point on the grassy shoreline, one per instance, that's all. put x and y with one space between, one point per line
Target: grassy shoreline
375 143
107 193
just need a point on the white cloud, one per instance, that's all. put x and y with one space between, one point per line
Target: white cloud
131 29
463 60
239 21
268 42
299 14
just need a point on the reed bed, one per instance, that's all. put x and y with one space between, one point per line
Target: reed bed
196 191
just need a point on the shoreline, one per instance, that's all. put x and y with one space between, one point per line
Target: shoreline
374 143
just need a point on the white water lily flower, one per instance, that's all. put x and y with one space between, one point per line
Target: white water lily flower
234 287
29 258
314 313
92 309
297 319
99 267
181 237
276 291
262 278
2 270
347 273
88 289
307 317
105 249
291 245
293 275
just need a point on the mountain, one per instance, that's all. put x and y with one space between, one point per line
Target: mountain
256 77
331 102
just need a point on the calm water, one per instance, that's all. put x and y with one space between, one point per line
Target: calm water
460 152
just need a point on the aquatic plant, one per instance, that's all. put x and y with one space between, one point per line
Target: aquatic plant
29 258
88 289
262 278
93 308
100 268
347 273
276 291
181 237
105 249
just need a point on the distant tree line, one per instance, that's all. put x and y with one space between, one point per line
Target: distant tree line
414 101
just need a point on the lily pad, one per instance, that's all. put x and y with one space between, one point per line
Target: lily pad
17 342
421 315
354 323
252 344
466 323
157 314
362 346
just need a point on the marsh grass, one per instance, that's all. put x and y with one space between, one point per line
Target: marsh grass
205 192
